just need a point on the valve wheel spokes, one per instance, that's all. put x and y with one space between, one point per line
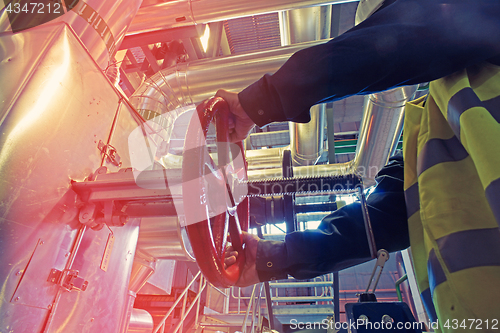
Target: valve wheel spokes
214 197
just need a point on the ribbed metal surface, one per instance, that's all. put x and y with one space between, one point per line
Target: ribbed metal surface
253 33
338 184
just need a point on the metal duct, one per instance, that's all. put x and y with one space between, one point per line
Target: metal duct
141 321
101 25
381 128
298 26
163 238
174 14
189 83
143 267
306 140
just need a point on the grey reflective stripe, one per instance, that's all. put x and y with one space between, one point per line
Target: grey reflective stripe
470 248
493 107
435 271
492 193
458 104
412 200
463 101
437 151
429 306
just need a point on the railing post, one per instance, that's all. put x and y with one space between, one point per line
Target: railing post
162 322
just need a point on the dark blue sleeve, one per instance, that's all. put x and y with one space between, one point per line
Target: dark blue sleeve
340 240
407 42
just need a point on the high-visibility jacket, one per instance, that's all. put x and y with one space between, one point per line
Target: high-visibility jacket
452 189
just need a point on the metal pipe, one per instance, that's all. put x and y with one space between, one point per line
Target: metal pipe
141 321
381 128
172 14
142 269
189 83
307 284
298 26
306 140
398 288
200 289
193 82
164 238
101 25
247 313
302 299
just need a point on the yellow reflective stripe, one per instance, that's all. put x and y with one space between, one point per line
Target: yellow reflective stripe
413 115
481 138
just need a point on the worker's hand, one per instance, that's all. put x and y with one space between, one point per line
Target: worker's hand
249 274
240 123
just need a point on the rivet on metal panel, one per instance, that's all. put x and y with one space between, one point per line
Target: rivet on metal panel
49 306
42 242
362 319
387 319
19 273
17 299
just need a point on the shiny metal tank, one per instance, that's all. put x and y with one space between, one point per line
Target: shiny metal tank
55 107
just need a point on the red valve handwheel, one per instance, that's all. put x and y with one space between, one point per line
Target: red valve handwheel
212 204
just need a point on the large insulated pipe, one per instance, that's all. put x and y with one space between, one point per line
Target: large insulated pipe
298 26
192 82
141 321
189 83
381 128
100 24
172 14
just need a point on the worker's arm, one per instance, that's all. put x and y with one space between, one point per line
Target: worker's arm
407 42
340 241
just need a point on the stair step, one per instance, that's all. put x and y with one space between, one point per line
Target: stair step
289 314
225 320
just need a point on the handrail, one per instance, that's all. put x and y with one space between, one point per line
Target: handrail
195 301
244 326
251 305
183 294
398 288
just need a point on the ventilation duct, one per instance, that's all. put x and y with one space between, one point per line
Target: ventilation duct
298 26
172 14
192 82
101 25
